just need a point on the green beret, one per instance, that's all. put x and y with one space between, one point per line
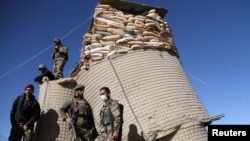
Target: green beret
79 87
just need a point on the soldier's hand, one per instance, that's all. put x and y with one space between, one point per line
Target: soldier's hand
115 135
68 120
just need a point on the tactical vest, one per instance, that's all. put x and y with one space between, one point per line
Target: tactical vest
61 49
80 107
106 116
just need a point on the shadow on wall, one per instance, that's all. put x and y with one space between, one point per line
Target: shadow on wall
51 132
133 135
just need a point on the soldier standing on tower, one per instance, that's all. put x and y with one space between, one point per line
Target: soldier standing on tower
60 57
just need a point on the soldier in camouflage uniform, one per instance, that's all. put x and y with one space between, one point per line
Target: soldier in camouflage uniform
60 57
110 117
82 116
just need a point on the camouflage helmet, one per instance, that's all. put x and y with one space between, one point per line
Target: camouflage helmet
57 40
78 87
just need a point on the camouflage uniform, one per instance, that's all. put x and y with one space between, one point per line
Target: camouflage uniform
83 118
60 57
110 116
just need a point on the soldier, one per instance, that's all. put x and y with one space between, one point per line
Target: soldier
78 114
24 113
60 57
45 74
110 117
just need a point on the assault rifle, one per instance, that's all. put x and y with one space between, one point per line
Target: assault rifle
72 125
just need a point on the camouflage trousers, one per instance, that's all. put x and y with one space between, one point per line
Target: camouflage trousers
82 135
17 133
58 67
105 134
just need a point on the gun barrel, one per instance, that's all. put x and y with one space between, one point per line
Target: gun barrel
217 117
73 126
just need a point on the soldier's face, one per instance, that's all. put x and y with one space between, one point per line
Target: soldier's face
29 91
103 92
80 92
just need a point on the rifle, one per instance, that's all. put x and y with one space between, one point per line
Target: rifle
72 125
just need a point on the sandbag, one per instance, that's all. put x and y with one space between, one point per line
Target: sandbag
111 37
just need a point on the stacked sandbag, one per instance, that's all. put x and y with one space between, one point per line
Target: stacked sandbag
113 31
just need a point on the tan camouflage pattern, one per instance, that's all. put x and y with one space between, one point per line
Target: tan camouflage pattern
105 133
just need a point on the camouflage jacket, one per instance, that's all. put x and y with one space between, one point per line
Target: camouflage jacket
111 115
82 115
61 52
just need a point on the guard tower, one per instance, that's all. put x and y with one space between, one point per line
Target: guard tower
131 50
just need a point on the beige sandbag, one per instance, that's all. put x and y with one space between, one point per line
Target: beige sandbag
140 17
129 38
121 18
87 35
153 15
150 33
139 22
96 37
154 40
148 38
96 45
102 25
107 43
122 41
135 25
109 22
108 12
115 18
118 32
167 45
114 30
104 6
152 11
136 47
96 55
97 58
100 28
152 26
151 21
136 43
155 44
131 27
111 37
133 19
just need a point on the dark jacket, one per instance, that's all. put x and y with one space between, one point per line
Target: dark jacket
47 73
27 113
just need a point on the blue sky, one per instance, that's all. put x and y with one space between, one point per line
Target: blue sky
212 37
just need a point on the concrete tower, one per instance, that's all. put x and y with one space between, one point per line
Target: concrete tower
133 53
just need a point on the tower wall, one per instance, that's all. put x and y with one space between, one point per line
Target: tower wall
156 94
50 126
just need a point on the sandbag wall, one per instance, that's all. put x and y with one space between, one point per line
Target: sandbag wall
113 31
